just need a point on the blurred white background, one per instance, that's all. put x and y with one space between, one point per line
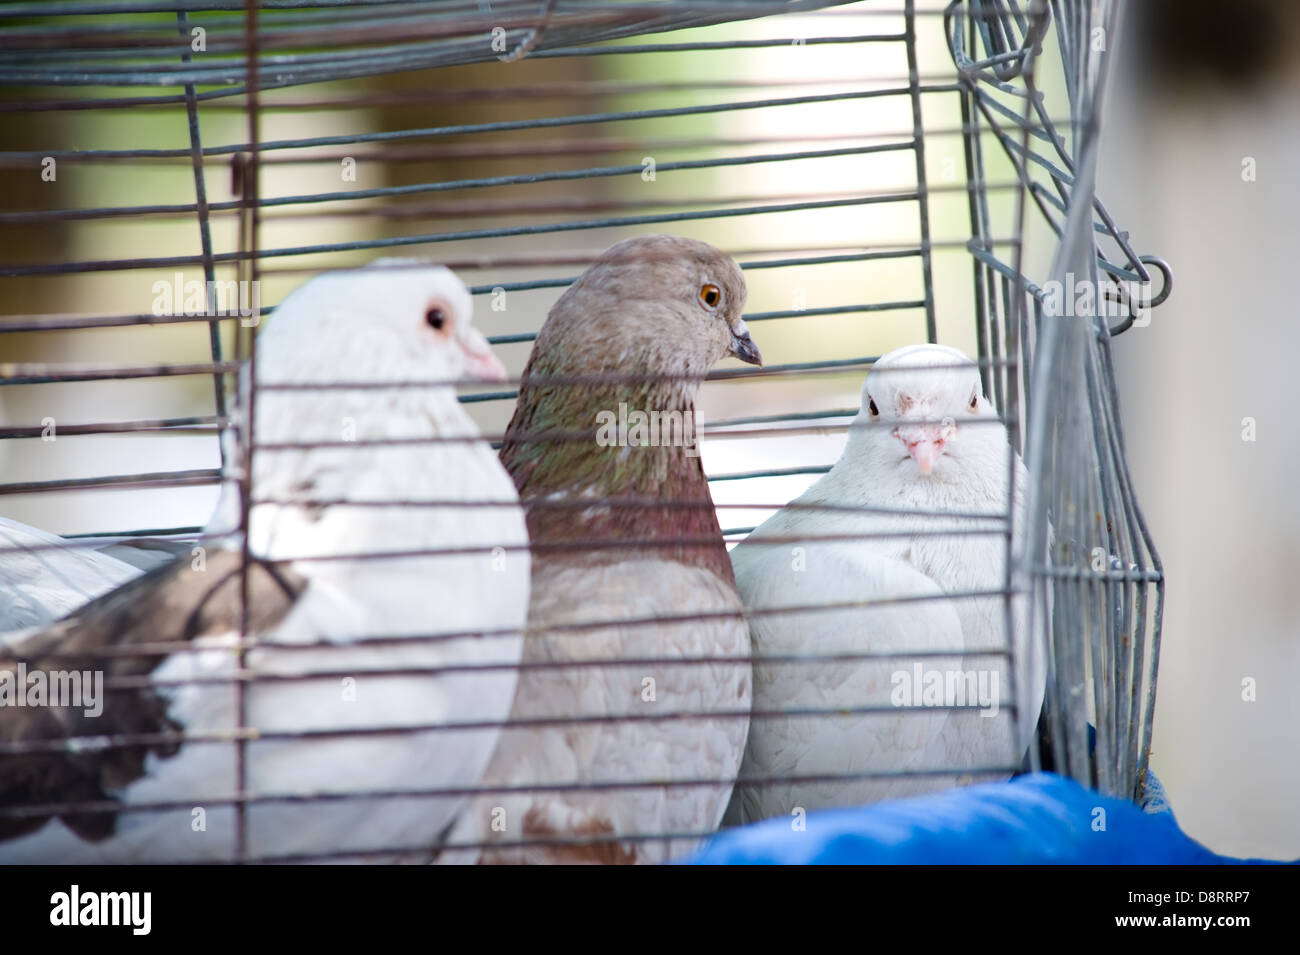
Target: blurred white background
1201 89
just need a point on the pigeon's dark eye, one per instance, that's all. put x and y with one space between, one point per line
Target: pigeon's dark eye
871 406
710 295
436 318
974 402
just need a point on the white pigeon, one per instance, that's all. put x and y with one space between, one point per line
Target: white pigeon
43 576
313 591
901 543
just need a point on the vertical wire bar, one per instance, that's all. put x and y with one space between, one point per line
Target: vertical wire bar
1082 649
1005 338
205 237
995 371
1097 613
1149 704
922 186
1138 723
1143 548
1122 649
251 196
979 230
1106 662
1014 321
1028 345
1128 664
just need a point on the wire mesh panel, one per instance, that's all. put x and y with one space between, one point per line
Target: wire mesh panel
883 174
1099 584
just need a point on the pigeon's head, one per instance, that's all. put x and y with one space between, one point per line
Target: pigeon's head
431 306
394 319
921 403
657 303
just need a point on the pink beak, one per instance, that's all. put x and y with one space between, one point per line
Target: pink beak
480 363
924 443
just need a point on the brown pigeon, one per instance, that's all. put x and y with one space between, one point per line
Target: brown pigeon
623 532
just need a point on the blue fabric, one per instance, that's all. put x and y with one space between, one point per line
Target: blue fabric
1154 799
1037 819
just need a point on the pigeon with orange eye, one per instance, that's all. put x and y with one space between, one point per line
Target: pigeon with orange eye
644 325
741 345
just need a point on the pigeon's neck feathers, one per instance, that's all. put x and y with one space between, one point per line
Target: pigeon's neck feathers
553 453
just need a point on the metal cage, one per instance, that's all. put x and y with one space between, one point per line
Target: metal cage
927 170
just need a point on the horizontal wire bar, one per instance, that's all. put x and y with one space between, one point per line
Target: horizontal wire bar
132 684
39 373
588 436
424 96
594 172
155 41
386 65
148 479
428 209
336 28
771 472
594 543
115 265
547 122
127 536
113 807
607 543
166 648
374 24
513 149
167 479
42 8
360 61
95 541
24 373
204 424
586 503
456 184
43 322
247 734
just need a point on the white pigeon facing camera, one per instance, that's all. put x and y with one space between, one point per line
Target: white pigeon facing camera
926 455
319 516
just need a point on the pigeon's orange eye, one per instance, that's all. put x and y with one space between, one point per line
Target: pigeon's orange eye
710 295
871 406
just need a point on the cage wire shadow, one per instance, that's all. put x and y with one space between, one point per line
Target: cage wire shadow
1091 570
